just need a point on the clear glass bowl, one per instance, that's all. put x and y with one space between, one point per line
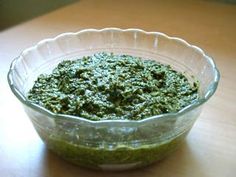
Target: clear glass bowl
113 144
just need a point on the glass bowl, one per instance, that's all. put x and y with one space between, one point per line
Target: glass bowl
113 144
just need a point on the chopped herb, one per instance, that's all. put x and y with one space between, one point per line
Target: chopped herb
107 86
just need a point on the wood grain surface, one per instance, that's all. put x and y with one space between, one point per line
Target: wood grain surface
210 148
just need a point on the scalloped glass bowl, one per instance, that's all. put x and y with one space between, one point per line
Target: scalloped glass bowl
113 144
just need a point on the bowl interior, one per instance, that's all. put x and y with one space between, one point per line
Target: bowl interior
44 56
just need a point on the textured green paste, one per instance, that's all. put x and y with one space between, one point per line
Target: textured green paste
107 86
93 157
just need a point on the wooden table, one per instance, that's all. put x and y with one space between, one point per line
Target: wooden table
210 148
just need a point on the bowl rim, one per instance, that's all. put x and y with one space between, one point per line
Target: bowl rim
210 91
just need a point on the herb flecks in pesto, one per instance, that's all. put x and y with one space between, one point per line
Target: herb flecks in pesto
108 86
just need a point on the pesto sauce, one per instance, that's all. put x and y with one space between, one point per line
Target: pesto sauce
106 86
127 157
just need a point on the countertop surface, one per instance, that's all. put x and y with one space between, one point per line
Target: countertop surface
210 147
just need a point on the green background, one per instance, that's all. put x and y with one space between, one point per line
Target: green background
15 11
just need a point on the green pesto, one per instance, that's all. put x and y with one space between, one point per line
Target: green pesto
96 157
109 87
